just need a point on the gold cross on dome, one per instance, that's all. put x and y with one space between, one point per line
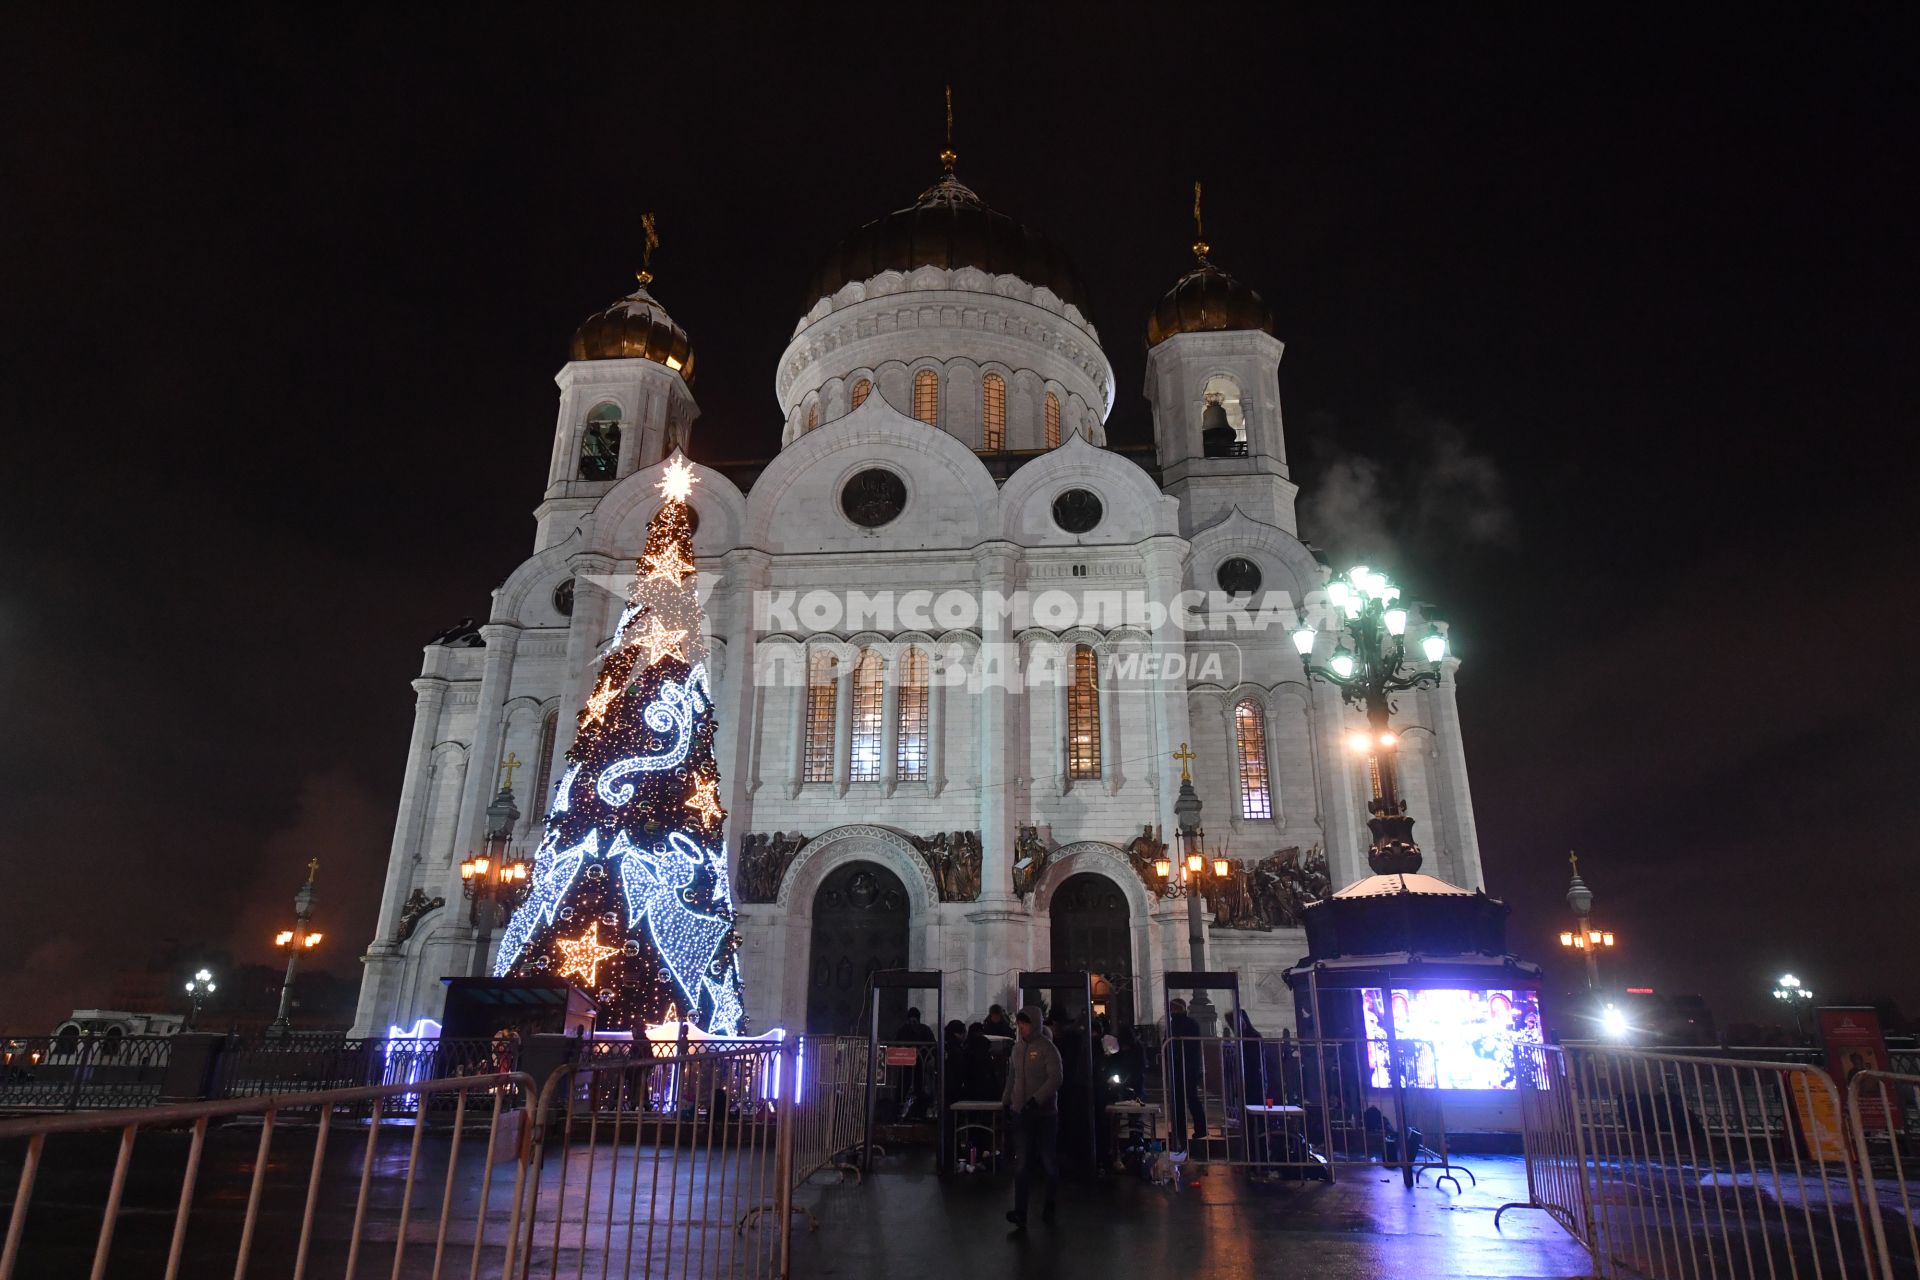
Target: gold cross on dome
645 274
1185 757
508 765
1573 860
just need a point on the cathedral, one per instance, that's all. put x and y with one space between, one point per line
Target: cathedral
961 648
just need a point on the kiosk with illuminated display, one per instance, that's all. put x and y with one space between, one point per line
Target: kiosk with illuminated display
1414 973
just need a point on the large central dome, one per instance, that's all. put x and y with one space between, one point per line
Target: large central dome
950 227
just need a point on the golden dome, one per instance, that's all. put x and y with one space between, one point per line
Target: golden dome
1207 300
636 327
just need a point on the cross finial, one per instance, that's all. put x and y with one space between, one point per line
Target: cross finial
1573 860
313 870
508 765
1200 245
1186 758
645 274
947 156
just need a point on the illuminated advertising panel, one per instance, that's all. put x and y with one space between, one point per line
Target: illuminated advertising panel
1451 1037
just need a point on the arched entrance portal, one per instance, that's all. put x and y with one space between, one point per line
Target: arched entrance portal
859 925
1092 931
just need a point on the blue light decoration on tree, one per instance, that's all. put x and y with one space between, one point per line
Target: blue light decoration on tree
630 896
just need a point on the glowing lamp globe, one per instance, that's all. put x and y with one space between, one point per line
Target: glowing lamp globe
1396 619
1342 664
1303 637
1434 645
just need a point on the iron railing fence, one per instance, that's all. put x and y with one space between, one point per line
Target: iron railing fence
72 1073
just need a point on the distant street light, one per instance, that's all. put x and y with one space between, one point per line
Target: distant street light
495 881
1583 937
1614 1023
295 940
199 987
1794 994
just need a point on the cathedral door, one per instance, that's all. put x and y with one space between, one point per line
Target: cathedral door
1093 931
859 925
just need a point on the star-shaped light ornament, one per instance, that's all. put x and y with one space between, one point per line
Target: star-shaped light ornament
705 801
581 956
677 481
601 699
668 565
661 640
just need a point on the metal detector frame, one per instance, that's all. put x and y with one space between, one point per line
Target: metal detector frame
907 980
1081 982
1196 981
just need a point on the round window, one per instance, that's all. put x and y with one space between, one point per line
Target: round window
873 497
1077 510
563 598
1238 576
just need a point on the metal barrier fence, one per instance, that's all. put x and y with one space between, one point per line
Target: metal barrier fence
1881 1108
82 1072
182 1186
1550 1131
1671 1165
670 1163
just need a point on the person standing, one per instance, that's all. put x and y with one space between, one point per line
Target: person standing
1032 1100
1188 1074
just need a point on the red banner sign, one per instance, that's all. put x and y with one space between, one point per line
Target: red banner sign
1855 1042
902 1055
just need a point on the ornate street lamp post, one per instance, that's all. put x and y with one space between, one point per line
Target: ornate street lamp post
1583 937
1795 995
199 987
494 880
1194 867
296 940
1369 666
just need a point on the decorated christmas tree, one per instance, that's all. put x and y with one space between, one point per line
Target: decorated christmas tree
629 895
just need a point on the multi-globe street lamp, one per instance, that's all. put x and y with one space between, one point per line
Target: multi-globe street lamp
1369 665
1584 937
1795 995
296 940
199 987
493 880
1195 867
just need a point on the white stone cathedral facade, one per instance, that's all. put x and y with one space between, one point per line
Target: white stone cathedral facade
914 779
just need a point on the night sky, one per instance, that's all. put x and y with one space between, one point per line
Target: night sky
1600 338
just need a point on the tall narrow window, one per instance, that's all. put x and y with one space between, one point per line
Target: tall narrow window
813 415
1083 715
1250 735
869 678
543 769
993 412
823 694
910 752
860 390
1053 421
600 443
926 397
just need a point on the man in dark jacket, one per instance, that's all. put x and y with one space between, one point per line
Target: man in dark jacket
1033 1100
1188 1074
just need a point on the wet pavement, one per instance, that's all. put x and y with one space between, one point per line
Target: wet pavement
907 1222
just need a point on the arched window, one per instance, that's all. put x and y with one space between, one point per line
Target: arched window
813 415
993 412
860 390
823 695
543 767
926 397
910 751
1250 737
1053 421
600 443
1083 715
869 678
1225 392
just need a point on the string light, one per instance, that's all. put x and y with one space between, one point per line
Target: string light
660 640
705 801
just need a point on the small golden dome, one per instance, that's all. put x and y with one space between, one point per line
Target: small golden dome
636 327
1207 300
